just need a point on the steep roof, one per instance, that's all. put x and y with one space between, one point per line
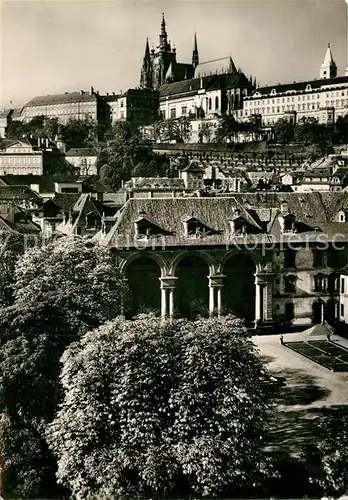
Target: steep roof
213 82
215 67
312 212
67 97
18 193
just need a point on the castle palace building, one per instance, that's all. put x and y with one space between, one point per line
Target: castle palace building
160 65
324 98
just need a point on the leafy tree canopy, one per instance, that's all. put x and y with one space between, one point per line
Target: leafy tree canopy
127 154
155 409
59 292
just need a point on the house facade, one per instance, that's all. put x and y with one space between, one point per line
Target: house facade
272 259
83 105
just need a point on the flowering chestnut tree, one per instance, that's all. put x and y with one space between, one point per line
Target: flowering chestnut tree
162 409
60 291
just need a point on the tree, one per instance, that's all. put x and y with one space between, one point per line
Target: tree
227 129
283 131
127 154
60 291
80 133
205 132
153 409
174 129
327 460
38 127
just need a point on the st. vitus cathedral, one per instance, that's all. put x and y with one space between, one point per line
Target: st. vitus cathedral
160 65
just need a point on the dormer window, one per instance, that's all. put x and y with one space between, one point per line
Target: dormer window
196 229
239 226
341 216
273 92
145 229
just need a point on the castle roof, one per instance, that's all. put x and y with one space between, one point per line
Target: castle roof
213 82
305 86
215 67
67 97
312 212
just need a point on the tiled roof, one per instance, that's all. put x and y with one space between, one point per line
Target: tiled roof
311 211
61 98
81 152
215 67
154 183
213 82
65 201
45 182
301 86
18 193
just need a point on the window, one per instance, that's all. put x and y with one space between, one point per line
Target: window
318 258
289 258
290 284
184 110
319 283
289 310
209 102
342 309
342 285
173 113
216 102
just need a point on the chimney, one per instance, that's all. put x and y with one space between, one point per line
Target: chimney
92 91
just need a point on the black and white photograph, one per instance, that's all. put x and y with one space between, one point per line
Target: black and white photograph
173 249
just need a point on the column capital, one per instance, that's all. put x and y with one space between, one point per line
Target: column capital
168 281
264 278
216 280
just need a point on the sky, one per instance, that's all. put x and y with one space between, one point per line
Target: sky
61 46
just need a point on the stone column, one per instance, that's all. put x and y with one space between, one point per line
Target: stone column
263 298
167 296
171 303
163 302
215 300
219 304
211 301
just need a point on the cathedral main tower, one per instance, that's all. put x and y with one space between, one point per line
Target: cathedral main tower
160 65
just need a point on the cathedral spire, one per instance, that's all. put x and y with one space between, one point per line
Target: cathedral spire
146 70
195 57
163 42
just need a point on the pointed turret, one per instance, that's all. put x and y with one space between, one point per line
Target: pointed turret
195 57
163 42
146 70
328 69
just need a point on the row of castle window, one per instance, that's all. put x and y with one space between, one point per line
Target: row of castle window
300 107
321 283
312 97
321 258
